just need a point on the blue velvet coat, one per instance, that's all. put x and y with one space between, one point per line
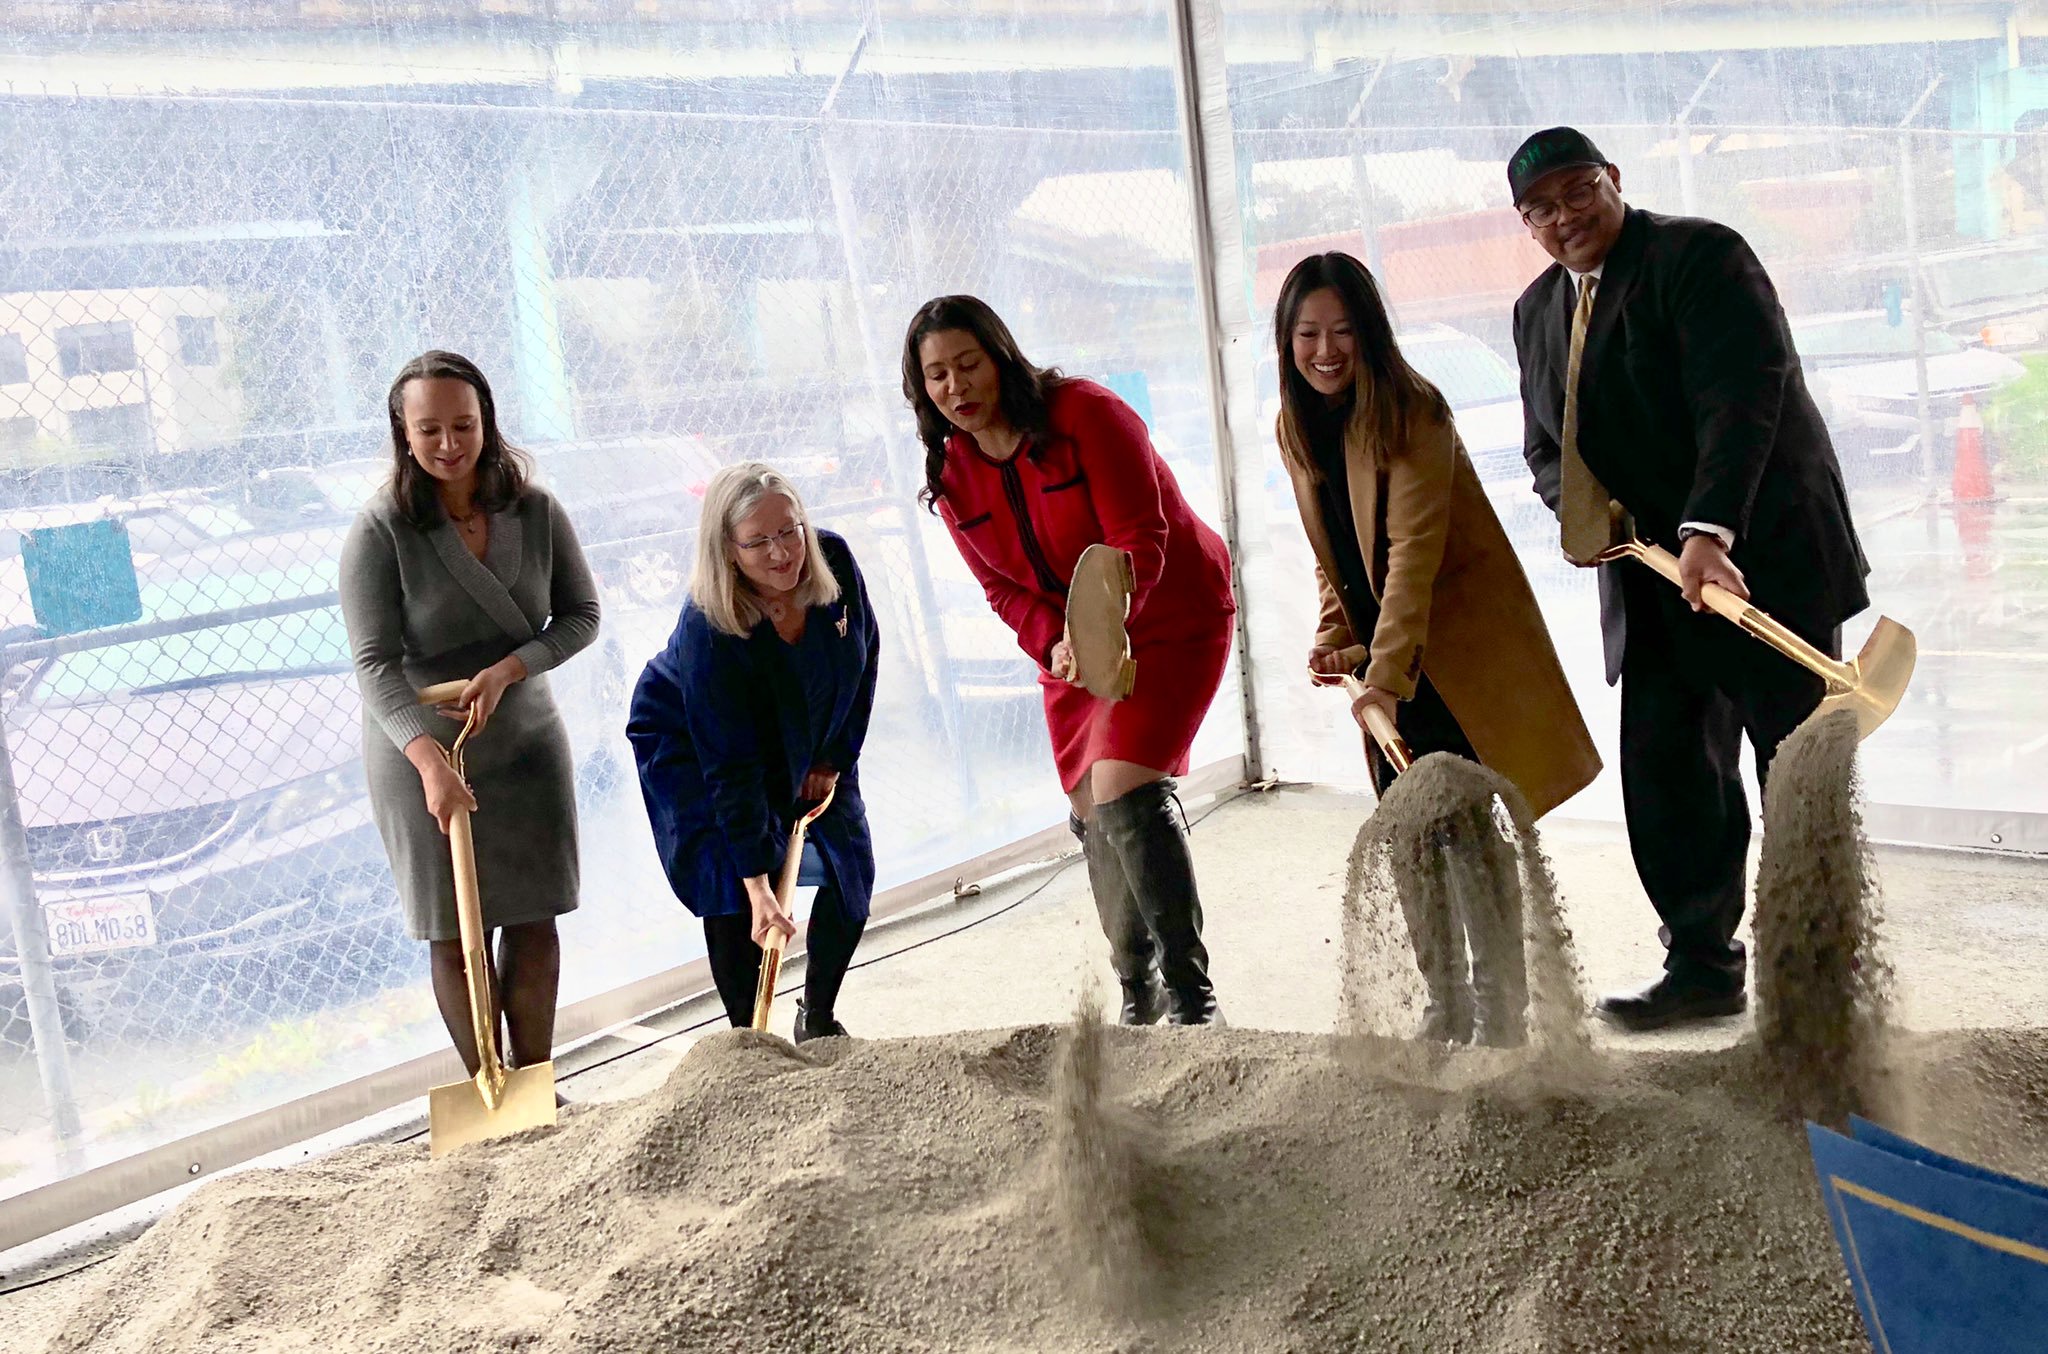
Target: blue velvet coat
723 737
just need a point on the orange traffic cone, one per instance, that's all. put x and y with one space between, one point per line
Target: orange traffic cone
1971 482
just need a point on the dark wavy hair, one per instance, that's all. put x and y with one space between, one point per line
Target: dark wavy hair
1386 390
502 472
1022 387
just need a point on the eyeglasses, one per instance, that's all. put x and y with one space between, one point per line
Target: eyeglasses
1578 197
790 537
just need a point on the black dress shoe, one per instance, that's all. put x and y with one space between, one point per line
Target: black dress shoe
1144 1000
1672 1000
810 1027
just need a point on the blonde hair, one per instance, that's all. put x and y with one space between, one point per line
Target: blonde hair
716 586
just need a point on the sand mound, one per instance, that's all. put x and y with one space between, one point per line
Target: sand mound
906 1195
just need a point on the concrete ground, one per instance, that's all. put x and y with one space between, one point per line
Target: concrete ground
1967 933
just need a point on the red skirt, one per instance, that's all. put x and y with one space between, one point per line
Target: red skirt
1155 725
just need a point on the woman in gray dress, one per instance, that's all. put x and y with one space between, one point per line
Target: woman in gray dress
463 569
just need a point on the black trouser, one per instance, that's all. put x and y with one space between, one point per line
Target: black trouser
1691 688
828 951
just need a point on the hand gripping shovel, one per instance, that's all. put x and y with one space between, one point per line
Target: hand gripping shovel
498 1100
1871 684
785 890
1382 729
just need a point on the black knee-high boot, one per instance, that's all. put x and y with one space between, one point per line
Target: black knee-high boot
1149 843
1132 951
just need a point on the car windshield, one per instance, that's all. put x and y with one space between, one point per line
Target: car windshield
1996 277
1866 337
1466 370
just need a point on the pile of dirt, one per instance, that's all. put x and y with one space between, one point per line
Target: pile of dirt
936 1194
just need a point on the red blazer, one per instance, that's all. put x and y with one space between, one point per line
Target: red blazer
1021 524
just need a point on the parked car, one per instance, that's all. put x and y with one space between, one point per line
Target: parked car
1863 374
1991 294
194 803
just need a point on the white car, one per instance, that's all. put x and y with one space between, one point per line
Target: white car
1863 373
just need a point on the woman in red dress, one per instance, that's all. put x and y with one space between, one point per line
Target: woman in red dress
1028 468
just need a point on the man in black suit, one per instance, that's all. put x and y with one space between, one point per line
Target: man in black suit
1659 384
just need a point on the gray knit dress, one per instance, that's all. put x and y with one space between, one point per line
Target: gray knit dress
421 609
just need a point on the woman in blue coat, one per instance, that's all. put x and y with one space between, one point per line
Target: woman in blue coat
760 703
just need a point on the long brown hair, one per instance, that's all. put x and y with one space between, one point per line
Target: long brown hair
501 470
1022 388
1386 391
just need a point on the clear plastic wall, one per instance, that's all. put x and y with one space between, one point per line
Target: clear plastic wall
675 236
1887 166
679 233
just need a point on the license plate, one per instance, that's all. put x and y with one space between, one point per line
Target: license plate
118 921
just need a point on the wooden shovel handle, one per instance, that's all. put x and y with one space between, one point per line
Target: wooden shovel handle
1381 727
442 693
1377 722
785 892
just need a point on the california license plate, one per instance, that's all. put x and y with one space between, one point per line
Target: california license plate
115 921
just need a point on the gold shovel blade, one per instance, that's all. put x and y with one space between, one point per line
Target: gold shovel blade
1098 604
459 1114
1883 668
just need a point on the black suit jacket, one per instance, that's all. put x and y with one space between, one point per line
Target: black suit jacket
1693 408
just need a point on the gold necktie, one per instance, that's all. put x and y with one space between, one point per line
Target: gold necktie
1584 513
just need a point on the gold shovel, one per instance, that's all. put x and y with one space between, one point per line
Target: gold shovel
1376 721
1098 604
498 1100
1871 684
785 890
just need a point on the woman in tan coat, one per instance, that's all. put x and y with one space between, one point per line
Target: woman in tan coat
1422 596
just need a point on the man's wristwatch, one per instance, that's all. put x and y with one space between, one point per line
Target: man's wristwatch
1687 533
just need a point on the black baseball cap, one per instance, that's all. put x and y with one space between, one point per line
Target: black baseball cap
1549 150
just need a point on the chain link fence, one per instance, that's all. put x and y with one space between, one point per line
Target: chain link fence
202 301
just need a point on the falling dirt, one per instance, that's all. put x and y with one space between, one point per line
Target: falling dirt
1823 988
1826 991
1451 849
1110 1213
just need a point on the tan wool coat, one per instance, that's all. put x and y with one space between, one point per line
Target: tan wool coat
1453 603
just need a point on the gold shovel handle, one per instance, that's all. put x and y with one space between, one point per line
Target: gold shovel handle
1838 675
1382 729
469 917
785 891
